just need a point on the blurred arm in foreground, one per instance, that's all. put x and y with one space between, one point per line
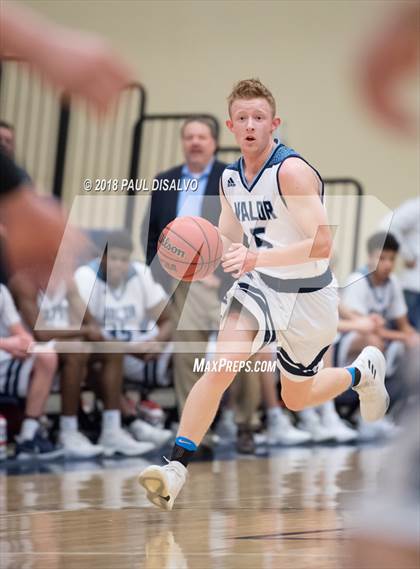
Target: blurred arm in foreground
392 56
79 64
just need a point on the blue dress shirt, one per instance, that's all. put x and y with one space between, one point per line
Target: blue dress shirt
190 202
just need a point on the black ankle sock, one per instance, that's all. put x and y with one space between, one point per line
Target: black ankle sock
357 377
182 455
183 450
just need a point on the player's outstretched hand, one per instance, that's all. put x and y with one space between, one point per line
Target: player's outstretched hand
392 55
78 63
85 66
239 260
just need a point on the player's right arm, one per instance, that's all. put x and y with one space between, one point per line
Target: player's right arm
229 226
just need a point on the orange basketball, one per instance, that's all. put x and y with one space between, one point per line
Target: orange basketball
190 248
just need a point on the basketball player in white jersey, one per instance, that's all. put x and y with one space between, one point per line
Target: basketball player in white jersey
285 290
124 298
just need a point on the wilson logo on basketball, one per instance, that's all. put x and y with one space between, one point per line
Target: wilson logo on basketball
166 244
190 248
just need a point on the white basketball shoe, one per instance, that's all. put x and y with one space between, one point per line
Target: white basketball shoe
281 431
76 445
374 398
310 421
143 431
163 483
118 441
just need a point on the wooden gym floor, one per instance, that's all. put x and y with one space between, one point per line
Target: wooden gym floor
284 510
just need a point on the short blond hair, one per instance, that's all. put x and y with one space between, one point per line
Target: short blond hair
251 89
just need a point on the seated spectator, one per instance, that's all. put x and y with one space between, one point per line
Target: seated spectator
55 314
376 292
25 377
122 295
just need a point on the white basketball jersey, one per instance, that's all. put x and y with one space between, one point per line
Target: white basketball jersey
54 308
362 296
8 317
8 312
263 214
121 312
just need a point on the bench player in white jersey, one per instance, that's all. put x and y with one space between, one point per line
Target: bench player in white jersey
124 299
25 378
285 290
375 290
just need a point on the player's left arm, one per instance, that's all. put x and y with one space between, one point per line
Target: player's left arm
300 191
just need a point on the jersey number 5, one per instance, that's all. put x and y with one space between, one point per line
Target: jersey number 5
259 242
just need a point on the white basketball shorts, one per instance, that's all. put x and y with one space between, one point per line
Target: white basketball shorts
303 324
